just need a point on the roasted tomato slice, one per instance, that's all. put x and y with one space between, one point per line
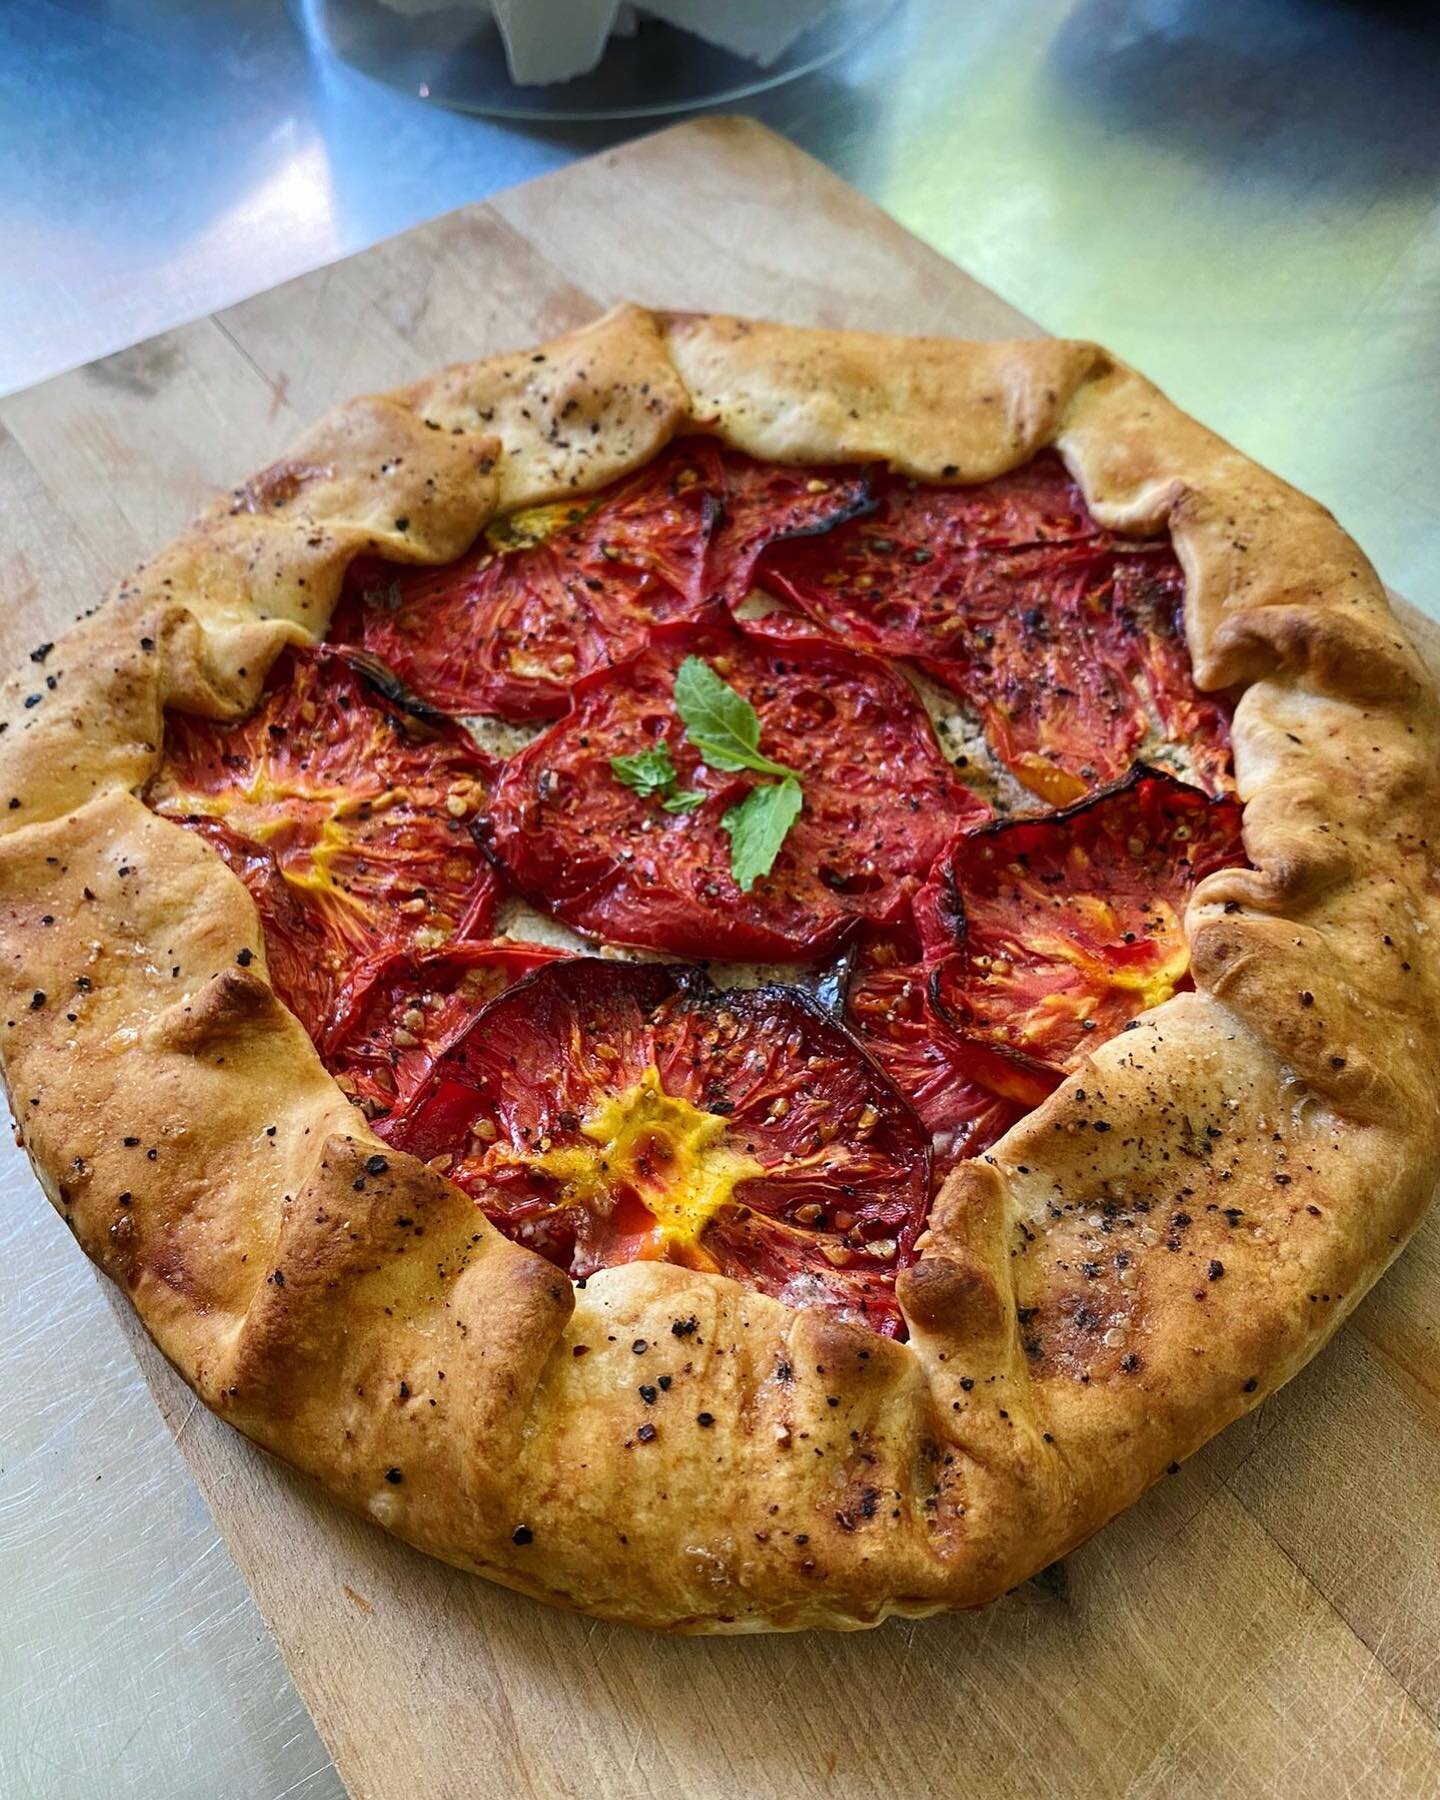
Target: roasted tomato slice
889 1010
414 1007
550 594
348 821
604 1112
1062 635
1149 601
774 503
880 802
1047 935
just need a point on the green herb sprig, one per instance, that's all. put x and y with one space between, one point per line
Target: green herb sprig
724 729
654 777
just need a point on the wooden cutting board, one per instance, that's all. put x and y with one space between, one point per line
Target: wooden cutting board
1266 1622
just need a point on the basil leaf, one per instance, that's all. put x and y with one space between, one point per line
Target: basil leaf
649 772
758 827
722 725
686 802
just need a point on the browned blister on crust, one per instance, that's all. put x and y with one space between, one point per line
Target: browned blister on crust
1157 1247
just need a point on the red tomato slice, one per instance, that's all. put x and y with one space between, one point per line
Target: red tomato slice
414 1007
880 802
1048 935
559 591
1150 603
888 1008
604 1112
1058 632
347 820
774 503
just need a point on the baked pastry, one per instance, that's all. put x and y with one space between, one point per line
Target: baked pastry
1061 1124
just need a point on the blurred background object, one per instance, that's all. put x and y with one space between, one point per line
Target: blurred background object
588 59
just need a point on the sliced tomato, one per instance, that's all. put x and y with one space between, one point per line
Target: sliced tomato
605 1112
774 503
414 1007
347 819
889 1010
880 802
1059 633
553 593
1150 605
1047 935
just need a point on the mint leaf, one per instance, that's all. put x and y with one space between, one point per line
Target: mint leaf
649 772
686 802
758 827
722 725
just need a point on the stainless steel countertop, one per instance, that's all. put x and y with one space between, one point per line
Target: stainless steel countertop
1239 195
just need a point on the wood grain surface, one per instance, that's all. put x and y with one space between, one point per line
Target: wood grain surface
1266 1622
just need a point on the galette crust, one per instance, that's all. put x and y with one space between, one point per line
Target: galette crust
1149 1254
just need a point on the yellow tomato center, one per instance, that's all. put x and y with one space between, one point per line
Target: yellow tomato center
532 525
653 1148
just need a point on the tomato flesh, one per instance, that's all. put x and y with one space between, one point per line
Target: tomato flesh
888 1008
415 1006
1046 936
606 1111
602 1112
880 801
1062 635
560 591
347 820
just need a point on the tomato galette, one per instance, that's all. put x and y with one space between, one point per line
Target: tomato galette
737 976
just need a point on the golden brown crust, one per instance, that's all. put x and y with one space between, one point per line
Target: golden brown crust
1157 1247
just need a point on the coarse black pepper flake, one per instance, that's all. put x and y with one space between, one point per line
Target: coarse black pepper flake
685 1327
394 1477
1130 1362
705 1419
376 1165
1216 1269
647 1433
522 1534
37 1000
1250 1386
245 958
130 1142
665 1381
640 1346
647 1393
